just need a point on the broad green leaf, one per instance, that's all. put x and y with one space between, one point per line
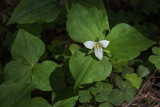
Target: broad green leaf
86 24
142 71
70 102
29 11
95 3
85 96
41 74
15 95
18 72
116 98
87 69
27 48
102 96
155 59
126 42
134 79
102 86
106 104
40 102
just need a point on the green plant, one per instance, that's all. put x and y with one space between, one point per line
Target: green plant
73 74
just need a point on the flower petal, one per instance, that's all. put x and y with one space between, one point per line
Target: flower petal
99 53
90 44
104 43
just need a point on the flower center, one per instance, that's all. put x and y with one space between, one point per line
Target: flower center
97 46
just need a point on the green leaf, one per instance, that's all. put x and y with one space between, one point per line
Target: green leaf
116 97
155 59
142 71
87 69
118 64
41 74
29 11
126 70
126 42
27 48
127 89
129 94
15 95
156 50
106 104
18 72
40 102
102 86
134 79
70 102
97 4
85 96
102 96
86 24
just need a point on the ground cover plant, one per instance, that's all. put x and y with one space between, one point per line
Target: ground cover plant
80 53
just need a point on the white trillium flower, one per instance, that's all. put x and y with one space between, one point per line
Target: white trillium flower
97 47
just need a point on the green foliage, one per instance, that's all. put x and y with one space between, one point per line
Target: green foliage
134 79
73 48
35 11
142 71
85 96
102 86
27 50
106 104
155 59
87 69
126 42
125 92
86 24
77 76
16 94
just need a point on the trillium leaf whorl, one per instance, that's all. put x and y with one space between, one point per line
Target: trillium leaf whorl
97 47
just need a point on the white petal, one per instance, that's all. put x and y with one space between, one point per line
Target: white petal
90 44
99 53
104 43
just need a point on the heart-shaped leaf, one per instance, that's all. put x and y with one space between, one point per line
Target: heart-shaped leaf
86 24
27 48
87 69
126 42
